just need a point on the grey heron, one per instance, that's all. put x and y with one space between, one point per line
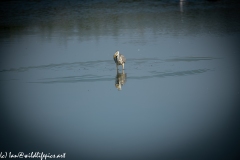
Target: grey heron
119 59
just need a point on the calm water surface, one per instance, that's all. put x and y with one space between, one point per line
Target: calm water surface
178 96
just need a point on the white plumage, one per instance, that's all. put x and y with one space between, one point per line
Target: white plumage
119 59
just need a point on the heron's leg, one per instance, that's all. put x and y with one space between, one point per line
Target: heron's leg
123 66
117 66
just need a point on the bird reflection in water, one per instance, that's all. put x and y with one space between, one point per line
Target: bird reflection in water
120 80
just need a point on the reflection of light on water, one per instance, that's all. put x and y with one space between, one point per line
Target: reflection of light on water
181 2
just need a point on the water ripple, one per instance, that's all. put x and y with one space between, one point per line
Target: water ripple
94 71
74 79
97 64
95 78
189 59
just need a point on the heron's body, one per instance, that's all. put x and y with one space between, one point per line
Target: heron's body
119 59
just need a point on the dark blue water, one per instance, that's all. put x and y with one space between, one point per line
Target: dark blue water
177 98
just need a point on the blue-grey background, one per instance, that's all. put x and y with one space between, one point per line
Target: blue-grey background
181 89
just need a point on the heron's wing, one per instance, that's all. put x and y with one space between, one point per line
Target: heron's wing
123 58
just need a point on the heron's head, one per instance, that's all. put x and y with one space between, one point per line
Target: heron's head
117 53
